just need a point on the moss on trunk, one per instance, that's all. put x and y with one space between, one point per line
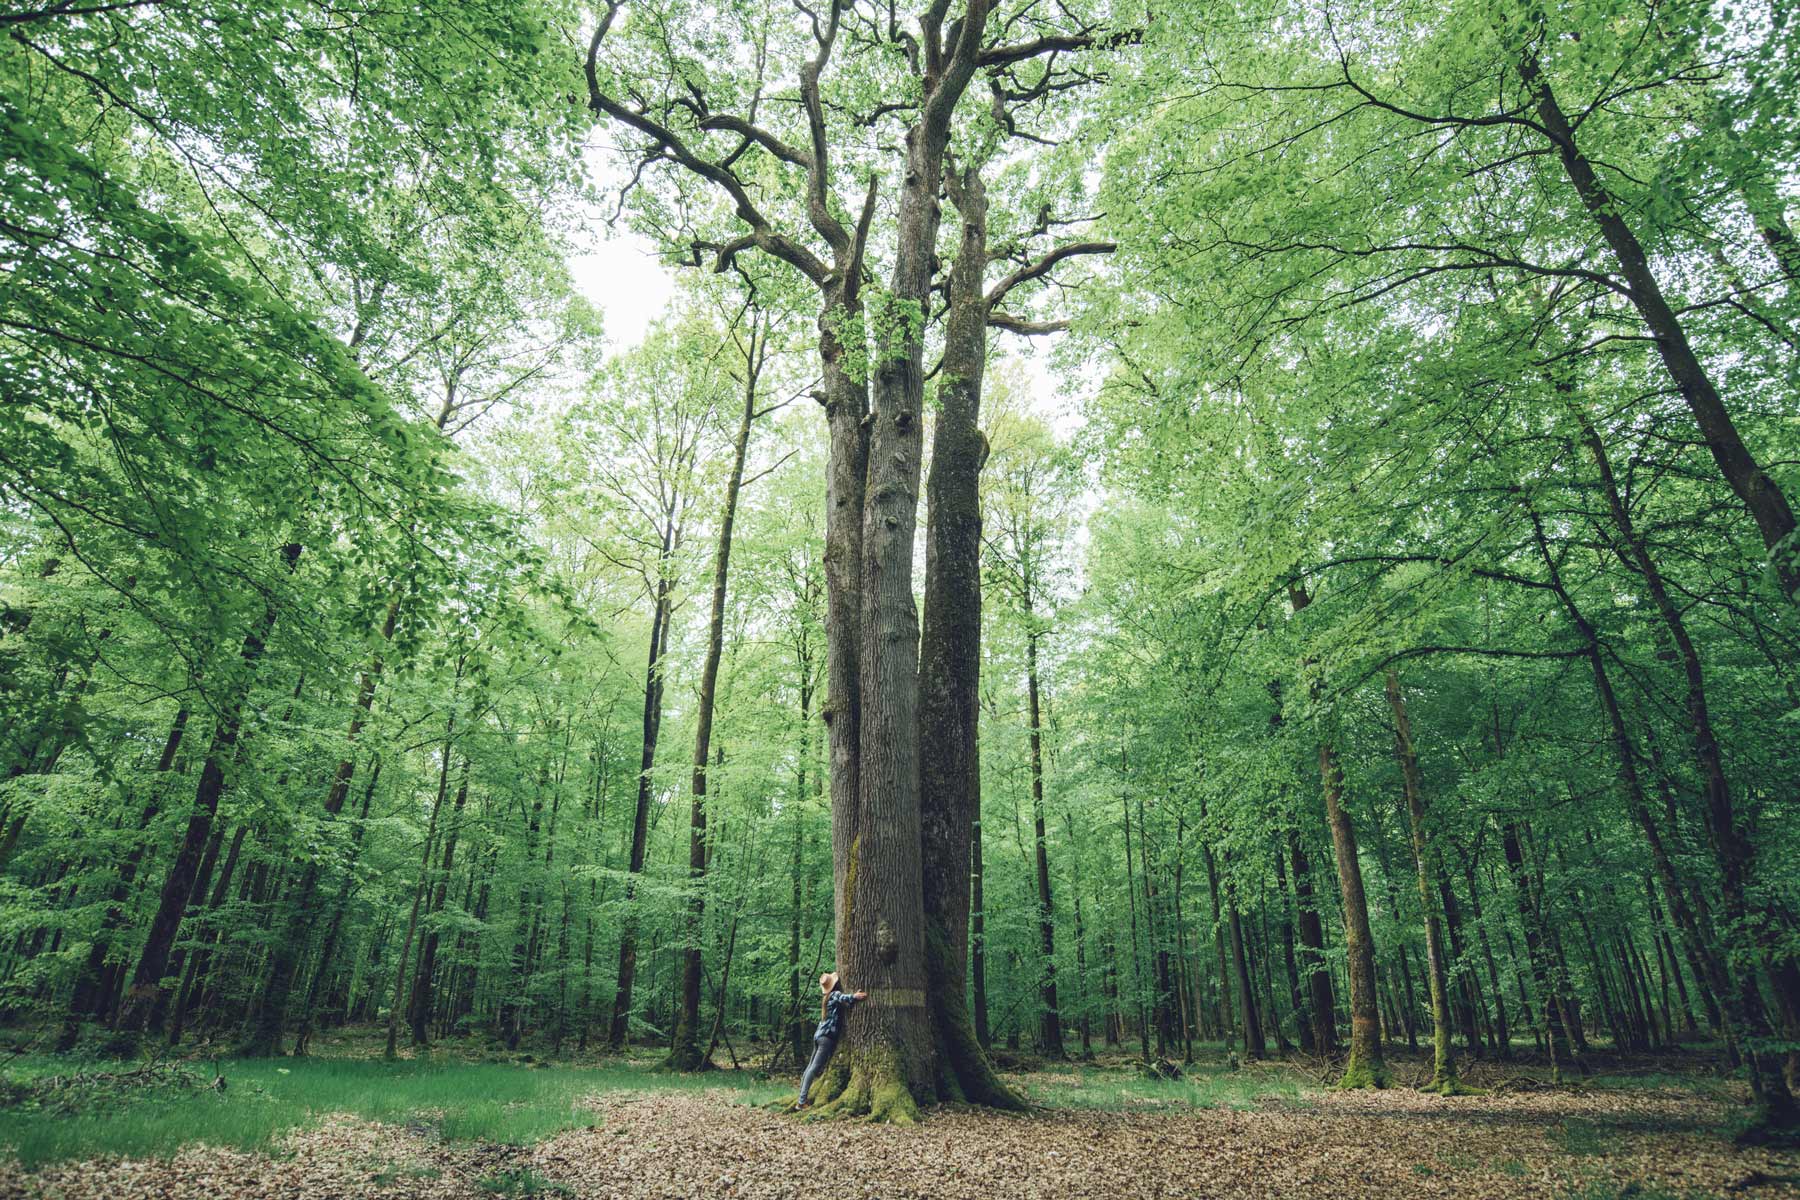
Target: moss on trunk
871 1086
1361 1072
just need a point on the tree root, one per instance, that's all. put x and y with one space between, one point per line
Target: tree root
872 1089
1359 1073
1451 1087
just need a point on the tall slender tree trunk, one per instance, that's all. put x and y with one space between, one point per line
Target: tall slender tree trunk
1465 990
288 948
1255 1045
1227 978
1425 863
978 997
1323 1007
796 1030
1767 503
99 978
422 889
1303 1024
1137 983
1366 1067
620 1029
1502 1031
420 1007
1742 1005
685 1053
1050 1039
146 991
1536 954
334 930
194 979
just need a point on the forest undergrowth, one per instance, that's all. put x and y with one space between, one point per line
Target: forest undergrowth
473 1120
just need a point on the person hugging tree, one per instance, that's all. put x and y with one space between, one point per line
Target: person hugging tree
832 1007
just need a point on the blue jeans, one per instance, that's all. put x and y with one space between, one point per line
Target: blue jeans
823 1049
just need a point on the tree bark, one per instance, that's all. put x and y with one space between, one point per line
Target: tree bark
1366 1066
950 672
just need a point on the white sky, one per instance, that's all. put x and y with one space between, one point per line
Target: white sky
618 270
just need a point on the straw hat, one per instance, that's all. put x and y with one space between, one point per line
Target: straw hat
828 981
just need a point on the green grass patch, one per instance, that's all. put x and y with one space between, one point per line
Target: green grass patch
523 1183
1658 1081
1577 1136
1607 1190
55 1109
1201 1086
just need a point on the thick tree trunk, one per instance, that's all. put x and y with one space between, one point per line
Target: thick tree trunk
845 398
890 1055
949 676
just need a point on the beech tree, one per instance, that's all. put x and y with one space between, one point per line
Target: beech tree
871 362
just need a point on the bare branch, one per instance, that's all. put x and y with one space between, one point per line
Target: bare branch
1019 325
1042 266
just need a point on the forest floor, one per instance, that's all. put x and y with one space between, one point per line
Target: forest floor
348 1126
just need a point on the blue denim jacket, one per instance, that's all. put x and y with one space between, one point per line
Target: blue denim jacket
836 1005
